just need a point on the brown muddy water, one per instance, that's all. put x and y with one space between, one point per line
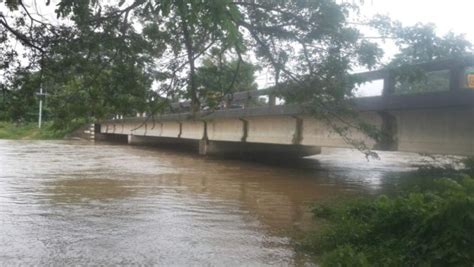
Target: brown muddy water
78 203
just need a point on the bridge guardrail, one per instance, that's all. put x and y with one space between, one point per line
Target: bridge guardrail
387 101
455 66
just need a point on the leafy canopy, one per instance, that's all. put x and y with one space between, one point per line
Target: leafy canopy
419 44
166 41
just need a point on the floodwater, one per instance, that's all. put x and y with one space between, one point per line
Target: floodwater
78 203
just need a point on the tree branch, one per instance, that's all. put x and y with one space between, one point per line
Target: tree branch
19 35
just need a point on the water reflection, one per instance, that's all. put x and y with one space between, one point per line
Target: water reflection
87 190
78 203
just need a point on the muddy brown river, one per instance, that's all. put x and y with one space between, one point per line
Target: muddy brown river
78 203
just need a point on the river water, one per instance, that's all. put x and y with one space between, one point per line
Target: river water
78 203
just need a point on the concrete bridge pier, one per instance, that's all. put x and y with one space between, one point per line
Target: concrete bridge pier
115 138
164 142
226 148
139 140
249 150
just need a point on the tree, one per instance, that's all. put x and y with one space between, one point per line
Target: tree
91 70
99 69
19 103
421 44
294 38
218 77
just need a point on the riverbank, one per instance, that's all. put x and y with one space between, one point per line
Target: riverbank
30 131
417 227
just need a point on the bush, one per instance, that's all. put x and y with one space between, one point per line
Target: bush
434 227
10 130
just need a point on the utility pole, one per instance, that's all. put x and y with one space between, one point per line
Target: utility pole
40 111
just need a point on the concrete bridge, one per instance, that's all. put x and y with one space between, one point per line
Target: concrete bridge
436 123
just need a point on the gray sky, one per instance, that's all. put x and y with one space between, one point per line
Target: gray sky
454 15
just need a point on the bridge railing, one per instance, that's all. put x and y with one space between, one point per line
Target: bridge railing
455 66
245 99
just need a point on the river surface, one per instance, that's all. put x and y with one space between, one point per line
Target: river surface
78 203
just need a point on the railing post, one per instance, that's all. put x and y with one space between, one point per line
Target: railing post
225 103
271 99
388 139
248 101
455 77
388 84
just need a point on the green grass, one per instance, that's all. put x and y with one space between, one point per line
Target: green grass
30 131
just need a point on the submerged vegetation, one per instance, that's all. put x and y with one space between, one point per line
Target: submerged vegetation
430 227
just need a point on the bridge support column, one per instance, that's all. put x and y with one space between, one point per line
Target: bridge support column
255 150
139 140
132 139
203 147
116 138
163 142
388 141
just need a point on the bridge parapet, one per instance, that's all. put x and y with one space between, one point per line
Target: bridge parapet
455 66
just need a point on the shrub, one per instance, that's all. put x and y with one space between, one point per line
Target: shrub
10 130
433 227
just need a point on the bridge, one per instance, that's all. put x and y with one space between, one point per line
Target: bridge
439 122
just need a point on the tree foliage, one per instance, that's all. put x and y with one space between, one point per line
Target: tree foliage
90 69
295 40
19 102
420 44
218 77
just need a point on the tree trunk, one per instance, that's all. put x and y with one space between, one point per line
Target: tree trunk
195 105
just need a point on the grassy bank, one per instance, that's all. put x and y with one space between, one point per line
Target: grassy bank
30 131
430 227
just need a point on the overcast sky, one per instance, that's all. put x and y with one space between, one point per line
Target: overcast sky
454 15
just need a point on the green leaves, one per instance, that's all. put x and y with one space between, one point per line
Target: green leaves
218 77
420 43
433 227
297 41
12 4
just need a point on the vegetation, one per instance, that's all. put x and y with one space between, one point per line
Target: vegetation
431 227
419 44
30 131
218 77
123 57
